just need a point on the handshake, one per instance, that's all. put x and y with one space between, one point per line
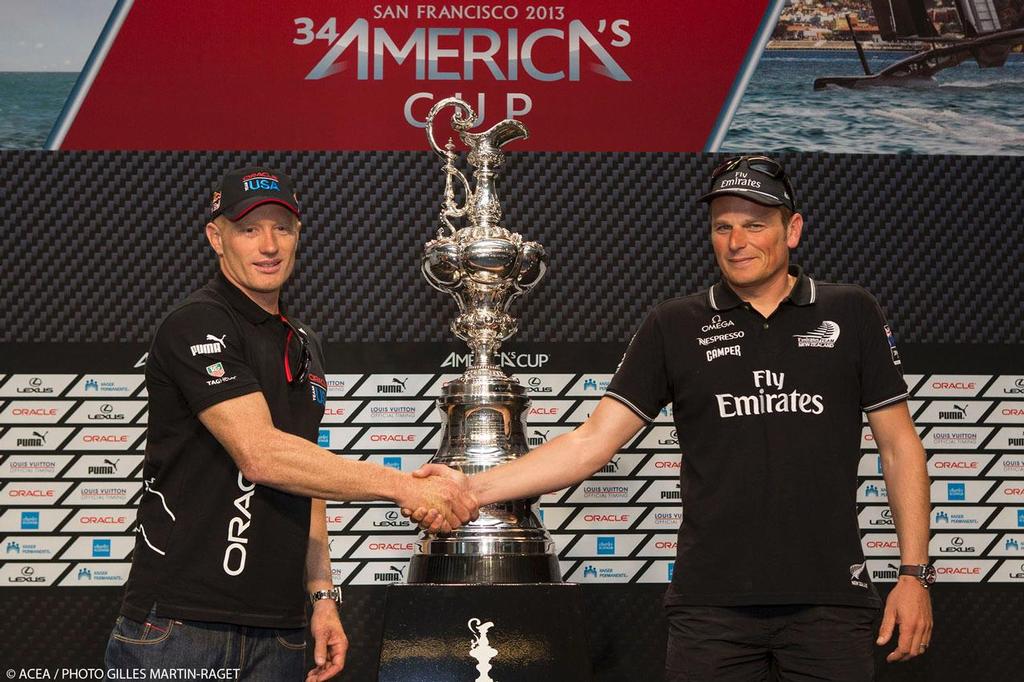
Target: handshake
438 498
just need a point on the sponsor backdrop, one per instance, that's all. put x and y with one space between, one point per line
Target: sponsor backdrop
103 243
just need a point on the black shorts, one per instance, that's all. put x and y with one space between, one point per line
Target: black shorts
784 643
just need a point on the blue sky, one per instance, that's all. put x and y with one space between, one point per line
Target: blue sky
49 35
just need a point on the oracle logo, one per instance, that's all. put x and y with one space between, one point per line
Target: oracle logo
957 570
882 544
1013 412
102 520
955 465
612 518
544 411
665 544
31 493
34 412
957 385
869 436
336 519
335 412
392 438
1013 491
104 438
391 546
666 464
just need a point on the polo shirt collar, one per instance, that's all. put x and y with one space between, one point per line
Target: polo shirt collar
249 309
804 292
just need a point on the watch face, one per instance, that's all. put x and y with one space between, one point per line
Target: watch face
929 574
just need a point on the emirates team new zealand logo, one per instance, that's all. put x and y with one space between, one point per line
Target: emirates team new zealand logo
824 336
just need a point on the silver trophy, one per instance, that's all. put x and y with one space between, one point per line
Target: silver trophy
484 267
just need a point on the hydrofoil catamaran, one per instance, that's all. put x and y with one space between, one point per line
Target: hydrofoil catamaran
984 38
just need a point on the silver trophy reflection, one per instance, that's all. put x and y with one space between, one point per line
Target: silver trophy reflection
484 267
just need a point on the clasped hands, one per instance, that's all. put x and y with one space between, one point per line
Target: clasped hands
439 499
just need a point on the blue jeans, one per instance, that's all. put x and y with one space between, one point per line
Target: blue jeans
232 652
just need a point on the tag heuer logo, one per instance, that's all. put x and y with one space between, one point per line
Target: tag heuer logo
824 336
215 370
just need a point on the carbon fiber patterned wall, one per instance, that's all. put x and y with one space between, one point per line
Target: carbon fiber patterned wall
96 246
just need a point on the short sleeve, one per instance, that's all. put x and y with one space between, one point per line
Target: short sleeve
200 349
881 381
641 381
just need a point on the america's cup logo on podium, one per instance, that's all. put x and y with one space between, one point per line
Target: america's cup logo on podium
481 649
484 267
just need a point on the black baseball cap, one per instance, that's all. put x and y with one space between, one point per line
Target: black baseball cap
242 190
760 179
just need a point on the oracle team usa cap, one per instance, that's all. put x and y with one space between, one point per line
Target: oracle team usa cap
242 190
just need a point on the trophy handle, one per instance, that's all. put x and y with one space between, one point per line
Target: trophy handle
461 123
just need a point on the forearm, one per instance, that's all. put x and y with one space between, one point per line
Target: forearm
318 559
568 459
292 464
906 480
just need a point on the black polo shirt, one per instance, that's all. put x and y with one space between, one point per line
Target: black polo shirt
212 546
768 416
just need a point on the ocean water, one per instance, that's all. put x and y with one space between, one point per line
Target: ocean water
968 111
29 106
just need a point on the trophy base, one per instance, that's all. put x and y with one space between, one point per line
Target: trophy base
507 633
503 568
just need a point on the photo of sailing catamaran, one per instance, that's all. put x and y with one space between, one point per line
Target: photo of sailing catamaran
984 37
928 53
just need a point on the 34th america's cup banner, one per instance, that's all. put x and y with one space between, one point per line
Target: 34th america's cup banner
360 75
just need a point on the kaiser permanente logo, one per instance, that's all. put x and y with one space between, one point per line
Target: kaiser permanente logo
762 402
824 336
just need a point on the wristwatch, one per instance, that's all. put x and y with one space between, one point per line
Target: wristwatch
925 573
333 593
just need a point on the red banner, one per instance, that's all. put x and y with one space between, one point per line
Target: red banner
584 75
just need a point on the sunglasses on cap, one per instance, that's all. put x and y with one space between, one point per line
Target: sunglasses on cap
301 372
761 164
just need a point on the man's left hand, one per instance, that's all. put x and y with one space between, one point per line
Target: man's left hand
909 606
330 641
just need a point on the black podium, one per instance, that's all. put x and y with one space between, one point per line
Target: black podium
537 632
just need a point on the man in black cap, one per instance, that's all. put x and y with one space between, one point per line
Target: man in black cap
768 373
232 528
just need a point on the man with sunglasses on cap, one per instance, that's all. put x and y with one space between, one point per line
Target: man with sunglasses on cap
232 528
768 373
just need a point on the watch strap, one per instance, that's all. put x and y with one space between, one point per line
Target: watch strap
925 573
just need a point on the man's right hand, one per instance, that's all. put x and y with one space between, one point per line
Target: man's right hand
446 494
